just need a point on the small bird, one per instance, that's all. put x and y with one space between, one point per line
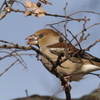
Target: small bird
75 63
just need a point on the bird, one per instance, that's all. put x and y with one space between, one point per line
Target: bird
71 62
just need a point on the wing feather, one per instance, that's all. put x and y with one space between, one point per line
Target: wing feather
72 51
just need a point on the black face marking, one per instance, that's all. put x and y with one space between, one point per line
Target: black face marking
41 35
61 39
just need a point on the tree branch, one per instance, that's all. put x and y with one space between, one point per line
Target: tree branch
8 68
7 9
53 15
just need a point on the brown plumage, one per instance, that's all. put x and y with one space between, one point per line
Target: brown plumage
77 64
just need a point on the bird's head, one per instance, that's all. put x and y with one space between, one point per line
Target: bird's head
43 38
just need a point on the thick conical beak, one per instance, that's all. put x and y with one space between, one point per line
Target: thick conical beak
32 40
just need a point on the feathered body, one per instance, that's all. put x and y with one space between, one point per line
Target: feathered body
77 65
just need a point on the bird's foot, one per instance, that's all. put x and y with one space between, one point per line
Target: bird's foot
65 82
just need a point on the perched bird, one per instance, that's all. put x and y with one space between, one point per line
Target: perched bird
69 60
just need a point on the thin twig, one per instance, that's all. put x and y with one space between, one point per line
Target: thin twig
98 75
6 11
26 91
84 38
58 22
3 41
16 46
89 47
85 29
83 12
53 15
65 25
8 68
68 17
2 5
55 94
75 39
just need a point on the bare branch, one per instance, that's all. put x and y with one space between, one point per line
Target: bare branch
85 30
98 75
7 9
65 25
84 12
66 88
26 91
8 68
16 46
10 54
75 39
84 38
2 5
68 17
88 48
45 2
55 94
53 15
7 42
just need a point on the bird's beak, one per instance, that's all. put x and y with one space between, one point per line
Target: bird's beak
32 40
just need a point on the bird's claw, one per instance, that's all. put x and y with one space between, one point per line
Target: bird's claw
65 82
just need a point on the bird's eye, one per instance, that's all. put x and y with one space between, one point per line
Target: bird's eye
41 35
61 39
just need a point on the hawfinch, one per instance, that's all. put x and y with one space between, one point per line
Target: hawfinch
75 63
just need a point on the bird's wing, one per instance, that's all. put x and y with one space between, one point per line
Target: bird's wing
71 50
62 46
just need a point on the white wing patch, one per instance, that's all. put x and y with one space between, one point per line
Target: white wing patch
89 68
57 49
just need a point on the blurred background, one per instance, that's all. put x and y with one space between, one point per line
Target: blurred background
36 79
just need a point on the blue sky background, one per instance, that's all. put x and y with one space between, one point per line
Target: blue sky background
36 79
